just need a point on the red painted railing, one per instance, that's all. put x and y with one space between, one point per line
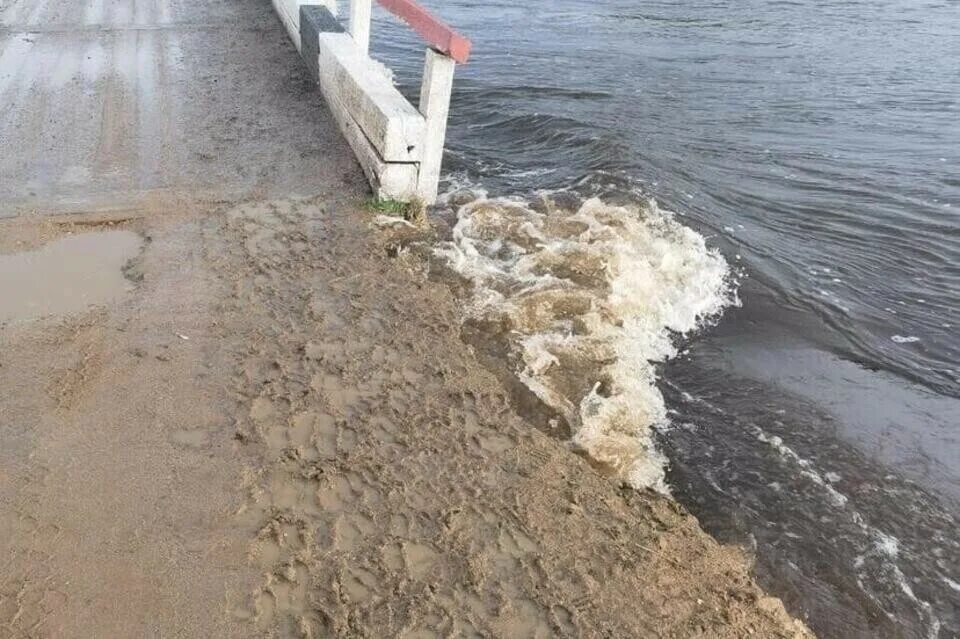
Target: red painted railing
437 34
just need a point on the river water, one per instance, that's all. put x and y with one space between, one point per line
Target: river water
816 147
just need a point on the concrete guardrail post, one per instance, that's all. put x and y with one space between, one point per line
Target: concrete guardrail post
360 23
435 91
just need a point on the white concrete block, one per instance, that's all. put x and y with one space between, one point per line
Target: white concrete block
391 124
389 180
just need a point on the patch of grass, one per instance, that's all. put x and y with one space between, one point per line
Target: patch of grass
410 211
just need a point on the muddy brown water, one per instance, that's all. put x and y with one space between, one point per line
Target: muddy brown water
67 275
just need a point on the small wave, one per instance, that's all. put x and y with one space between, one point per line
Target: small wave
589 297
877 564
806 466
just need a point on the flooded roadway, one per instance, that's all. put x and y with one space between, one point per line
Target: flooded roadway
106 102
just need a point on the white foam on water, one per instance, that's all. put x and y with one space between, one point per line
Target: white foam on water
591 298
888 545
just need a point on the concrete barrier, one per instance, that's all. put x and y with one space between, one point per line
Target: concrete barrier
289 12
399 147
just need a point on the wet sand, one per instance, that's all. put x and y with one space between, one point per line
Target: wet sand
280 432
114 520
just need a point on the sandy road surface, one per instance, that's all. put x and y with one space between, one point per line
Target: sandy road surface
271 427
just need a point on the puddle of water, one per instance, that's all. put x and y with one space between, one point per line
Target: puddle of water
66 276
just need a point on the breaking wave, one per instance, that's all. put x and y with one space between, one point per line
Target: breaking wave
589 297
